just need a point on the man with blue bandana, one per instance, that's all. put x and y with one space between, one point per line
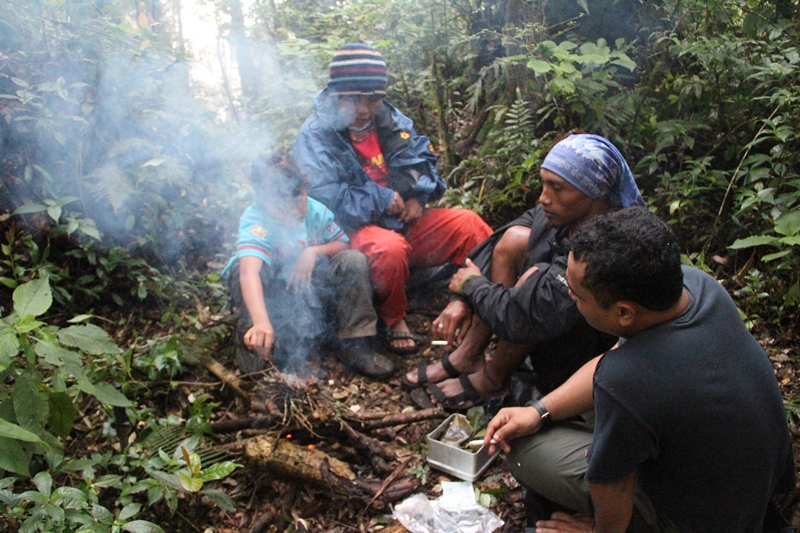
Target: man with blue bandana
514 284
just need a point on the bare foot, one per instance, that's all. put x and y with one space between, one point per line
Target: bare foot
401 344
436 372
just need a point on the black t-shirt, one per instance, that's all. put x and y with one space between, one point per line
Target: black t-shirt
693 408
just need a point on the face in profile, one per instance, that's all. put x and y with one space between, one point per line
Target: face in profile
563 204
600 318
357 111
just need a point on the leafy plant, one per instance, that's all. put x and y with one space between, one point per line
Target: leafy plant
67 510
43 372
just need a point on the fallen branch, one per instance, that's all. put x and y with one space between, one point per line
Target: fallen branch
398 419
377 455
227 377
311 466
237 424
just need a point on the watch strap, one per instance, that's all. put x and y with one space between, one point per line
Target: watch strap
544 414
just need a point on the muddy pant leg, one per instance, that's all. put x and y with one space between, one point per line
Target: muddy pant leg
349 275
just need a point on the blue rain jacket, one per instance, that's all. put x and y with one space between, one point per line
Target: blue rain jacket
323 151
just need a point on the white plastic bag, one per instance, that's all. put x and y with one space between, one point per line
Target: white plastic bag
455 511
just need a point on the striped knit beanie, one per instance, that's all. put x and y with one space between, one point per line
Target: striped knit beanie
358 69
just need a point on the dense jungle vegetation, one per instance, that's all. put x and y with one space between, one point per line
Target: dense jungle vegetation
122 180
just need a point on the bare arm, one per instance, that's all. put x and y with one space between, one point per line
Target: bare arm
261 336
300 275
613 505
570 399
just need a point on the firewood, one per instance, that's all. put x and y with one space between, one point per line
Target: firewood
396 419
227 377
311 466
237 424
290 460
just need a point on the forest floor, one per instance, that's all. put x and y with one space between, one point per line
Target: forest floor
311 414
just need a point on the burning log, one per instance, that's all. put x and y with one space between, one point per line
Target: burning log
292 461
317 468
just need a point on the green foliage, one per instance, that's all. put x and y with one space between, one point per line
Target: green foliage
158 477
67 509
161 360
730 171
578 80
43 374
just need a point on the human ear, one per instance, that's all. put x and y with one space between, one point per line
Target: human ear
626 314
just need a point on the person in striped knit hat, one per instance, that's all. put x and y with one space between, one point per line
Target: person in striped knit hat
369 166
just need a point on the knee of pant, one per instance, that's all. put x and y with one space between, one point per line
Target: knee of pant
351 260
530 465
479 229
395 249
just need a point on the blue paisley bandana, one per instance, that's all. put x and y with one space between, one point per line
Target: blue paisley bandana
595 167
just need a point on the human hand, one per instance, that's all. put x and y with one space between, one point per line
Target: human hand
300 275
453 322
397 205
411 212
470 270
260 339
565 523
509 424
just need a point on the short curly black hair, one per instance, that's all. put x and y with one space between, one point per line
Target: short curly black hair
276 178
630 255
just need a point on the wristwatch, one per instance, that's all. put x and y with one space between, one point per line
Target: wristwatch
544 414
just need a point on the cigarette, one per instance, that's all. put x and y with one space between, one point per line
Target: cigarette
439 343
479 442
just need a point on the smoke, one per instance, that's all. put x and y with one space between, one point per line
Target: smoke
151 153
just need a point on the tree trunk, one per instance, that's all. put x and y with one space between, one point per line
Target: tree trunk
241 47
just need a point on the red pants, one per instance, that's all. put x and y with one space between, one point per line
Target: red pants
439 236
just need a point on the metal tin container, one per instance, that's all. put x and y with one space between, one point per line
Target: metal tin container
461 463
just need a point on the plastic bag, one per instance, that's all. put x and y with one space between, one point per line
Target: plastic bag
458 431
455 511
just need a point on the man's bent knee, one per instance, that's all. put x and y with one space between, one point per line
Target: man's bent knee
552 463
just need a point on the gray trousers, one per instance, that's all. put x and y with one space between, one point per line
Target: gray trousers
552 463
338 303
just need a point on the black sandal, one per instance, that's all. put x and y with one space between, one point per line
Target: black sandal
422 373
402 335
461 401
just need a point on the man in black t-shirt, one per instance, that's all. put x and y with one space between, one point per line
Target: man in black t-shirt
690 432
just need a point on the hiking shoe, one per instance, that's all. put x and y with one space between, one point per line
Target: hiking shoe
357 354
249 362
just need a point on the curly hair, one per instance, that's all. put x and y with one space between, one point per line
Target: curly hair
630 255
276 178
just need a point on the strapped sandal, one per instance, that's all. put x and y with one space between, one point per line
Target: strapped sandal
422 373
461 401
400 335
